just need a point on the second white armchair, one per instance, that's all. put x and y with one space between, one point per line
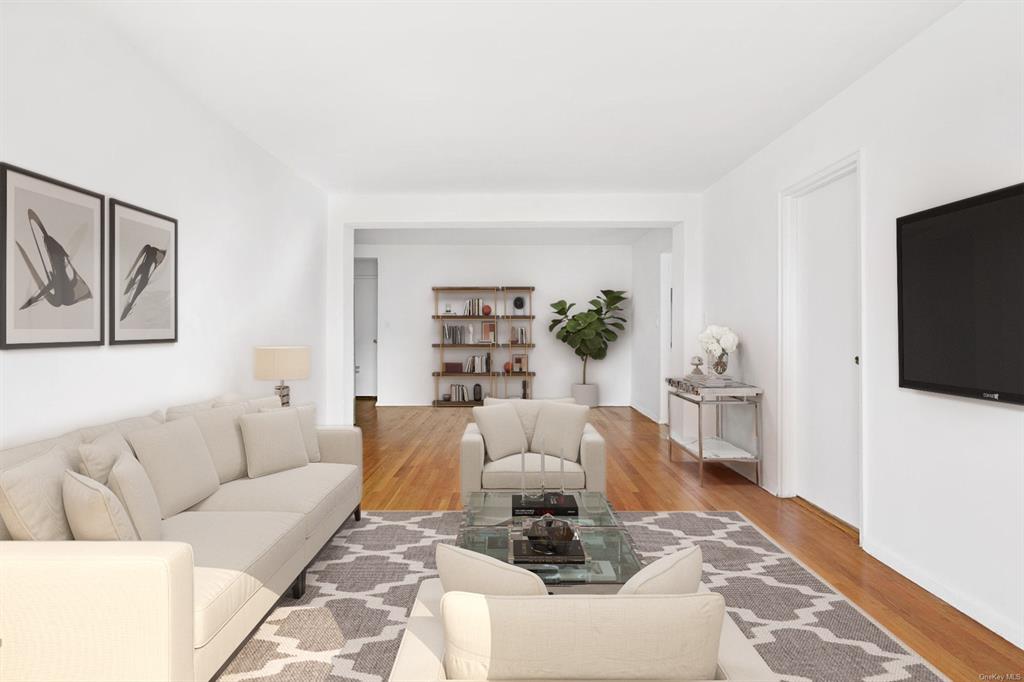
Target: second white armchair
480 470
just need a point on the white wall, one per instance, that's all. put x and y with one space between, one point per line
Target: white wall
406 274
348 211
78 104
647 384
940 120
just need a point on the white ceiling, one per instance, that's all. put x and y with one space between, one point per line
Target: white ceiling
518 234
484 96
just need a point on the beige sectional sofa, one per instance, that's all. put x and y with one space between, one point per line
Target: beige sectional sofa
175 608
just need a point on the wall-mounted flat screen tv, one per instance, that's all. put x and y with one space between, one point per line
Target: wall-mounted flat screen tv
960 275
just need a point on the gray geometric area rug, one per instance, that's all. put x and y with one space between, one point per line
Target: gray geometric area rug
362 585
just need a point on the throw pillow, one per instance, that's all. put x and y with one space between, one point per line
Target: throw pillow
527 410
181 411
223 436
128 480
31 502
178 464
677 573
99 456
273 442
560 430
307 420
501 429
463 570
93 512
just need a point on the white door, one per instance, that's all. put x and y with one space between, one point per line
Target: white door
826 398
365 331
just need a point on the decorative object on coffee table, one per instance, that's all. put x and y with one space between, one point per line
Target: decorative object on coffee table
589 333
51 271
281 363
143 275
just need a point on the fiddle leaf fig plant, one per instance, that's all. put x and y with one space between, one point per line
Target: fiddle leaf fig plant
589 332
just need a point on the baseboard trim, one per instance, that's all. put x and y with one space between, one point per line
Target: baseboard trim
834 520
982 613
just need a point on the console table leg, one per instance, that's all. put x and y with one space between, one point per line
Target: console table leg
700 444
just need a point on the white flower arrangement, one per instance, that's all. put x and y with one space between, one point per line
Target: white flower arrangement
716 340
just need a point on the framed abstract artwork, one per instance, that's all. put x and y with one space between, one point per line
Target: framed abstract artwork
51 267
143 275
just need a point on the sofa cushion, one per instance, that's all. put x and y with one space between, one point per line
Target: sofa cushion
176 412
560 430
527 409
677 573
501 429
93 512
178 464
223 435
122 426
273 442
506 473
313 490
99 456
307 420
128 480
464 570
235 554
31 496
635 637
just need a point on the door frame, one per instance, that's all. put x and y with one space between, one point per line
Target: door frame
788 317
355 390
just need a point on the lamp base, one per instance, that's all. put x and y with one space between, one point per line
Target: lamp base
284 392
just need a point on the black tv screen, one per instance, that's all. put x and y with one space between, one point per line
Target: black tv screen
961 297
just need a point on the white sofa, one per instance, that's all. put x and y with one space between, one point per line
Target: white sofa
421 653
478 472
176 609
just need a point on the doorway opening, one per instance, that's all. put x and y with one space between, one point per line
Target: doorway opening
820 329
364 327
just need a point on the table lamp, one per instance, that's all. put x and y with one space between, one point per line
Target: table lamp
281 363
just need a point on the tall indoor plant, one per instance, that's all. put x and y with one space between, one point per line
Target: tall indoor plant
588 333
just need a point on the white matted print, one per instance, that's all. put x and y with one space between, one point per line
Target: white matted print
51 270
143 275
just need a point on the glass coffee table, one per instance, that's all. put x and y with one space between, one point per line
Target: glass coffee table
488 527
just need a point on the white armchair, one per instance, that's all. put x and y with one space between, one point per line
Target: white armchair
478 472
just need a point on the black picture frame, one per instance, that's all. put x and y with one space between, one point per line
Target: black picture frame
5 341
116 204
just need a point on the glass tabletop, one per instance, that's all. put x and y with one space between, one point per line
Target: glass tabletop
495 509
610 555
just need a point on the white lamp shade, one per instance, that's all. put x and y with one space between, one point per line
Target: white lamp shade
280 363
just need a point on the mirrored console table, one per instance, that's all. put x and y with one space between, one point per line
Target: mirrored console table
704 390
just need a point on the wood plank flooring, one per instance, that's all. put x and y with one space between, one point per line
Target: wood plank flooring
411 457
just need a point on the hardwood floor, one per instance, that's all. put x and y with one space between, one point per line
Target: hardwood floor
411 460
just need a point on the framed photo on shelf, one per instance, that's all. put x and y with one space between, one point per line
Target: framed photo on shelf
487 332
143 275
51 270
520 363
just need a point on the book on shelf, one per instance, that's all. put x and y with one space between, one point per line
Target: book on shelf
456 334
474 307
477 364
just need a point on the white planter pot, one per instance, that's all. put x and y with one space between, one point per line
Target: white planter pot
585 394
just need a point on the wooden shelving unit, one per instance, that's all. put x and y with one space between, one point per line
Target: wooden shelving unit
502 348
